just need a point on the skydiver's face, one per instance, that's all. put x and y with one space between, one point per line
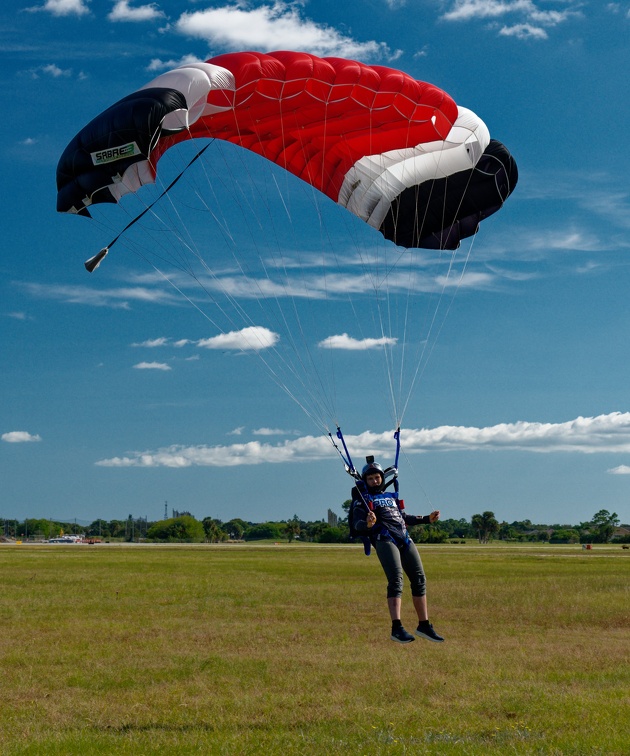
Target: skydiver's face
373 480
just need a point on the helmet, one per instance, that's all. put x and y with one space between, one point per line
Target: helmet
372 467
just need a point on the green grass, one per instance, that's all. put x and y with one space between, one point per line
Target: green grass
285 650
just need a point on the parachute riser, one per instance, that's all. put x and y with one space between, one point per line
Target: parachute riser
389 472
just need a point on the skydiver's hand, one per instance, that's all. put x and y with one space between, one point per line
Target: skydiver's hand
434 516
371 519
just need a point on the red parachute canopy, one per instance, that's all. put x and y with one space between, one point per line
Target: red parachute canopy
396 152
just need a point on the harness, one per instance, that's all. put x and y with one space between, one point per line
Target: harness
361 493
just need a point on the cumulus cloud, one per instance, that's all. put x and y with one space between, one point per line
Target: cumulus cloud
20 437
152 366
252 338
343 341
619 470
53 70
274 26
234 455
157 64
586 435
63 7
122 11
530 23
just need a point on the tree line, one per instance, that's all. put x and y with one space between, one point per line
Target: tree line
184 527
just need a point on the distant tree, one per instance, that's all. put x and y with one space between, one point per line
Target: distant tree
214 530
117 528
485 525
263 530
428 534
604 524
184 528
98 528
507 532
332 535
456 528
292 528
36 528
564 535
235 528
311 531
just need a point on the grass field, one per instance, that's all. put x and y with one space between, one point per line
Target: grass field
285 650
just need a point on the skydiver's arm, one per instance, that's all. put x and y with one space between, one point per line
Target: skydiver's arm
412 520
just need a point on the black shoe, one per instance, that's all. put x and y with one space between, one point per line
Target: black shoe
400 635
425 630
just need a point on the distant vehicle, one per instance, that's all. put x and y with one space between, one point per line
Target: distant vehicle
66 539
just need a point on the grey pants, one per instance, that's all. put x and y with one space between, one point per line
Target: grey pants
394 562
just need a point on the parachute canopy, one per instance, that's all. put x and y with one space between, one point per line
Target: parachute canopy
396 152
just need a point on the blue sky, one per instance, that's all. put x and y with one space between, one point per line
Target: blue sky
123 390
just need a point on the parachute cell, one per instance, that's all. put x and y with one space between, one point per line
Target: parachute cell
396 152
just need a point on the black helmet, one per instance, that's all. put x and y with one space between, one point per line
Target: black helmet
372 467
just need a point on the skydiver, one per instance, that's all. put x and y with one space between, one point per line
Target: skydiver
376 514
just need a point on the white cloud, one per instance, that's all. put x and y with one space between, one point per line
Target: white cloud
252 453
53 70
619 470
20 437
247 339
275 26
157 64
122 11
63 7
152 343
586 435
152 366
343 341
274 432
523 31
49 70
116 298
530 17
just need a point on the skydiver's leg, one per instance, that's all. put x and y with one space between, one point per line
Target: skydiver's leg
412 564
389 557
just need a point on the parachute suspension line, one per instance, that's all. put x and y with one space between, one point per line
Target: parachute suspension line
347 459
306 386
186 268
422 364
326 380
428 344
321 400
92 264
290 368
420 350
